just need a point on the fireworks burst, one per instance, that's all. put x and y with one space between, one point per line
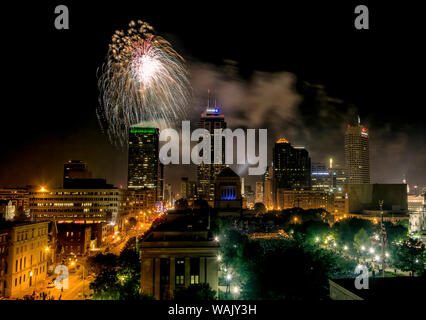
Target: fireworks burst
144 80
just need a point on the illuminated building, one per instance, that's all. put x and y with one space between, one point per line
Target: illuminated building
305 199
145 171
74 238
259 192
24 256
268 188
177 253
228 190
211 119
18 196
322 179
184 186
250 197
340 174
7 210
357 161
292 168
188 190
76 205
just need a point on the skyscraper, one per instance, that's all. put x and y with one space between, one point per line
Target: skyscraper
292 166
357 160
259 192
145 171
268 188
211 119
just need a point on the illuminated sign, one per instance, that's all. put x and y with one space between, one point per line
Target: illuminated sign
142 130
364 134
320 173
215 110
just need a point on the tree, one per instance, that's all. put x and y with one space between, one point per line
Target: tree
119 277
273 277
409 256
345 230
396 233
98 263
361 239
196 292
313 231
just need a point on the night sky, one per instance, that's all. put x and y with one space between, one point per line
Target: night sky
262 60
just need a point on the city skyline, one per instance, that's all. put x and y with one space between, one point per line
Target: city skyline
236 154
259 89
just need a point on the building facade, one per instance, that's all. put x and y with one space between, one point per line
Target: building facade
259 192
74 238
228 191
268 188
211 119
322 177
145 171
75 169
305 199
176 254
292 168
18 196
357 158
76 205
24 253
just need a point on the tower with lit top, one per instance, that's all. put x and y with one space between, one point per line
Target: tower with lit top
357 159
212 118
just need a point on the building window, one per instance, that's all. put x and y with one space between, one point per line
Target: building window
164 270
180 272
195 270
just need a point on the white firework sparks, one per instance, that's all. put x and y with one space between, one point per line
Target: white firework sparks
143 80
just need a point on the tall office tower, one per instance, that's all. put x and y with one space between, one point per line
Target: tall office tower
292 166
145 171
357 160
259 192
268 188
75 169
211 119
322 179
184 186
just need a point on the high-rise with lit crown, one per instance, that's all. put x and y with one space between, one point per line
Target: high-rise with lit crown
357 160
145 170
211 119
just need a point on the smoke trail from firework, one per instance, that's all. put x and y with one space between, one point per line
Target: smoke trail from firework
144 80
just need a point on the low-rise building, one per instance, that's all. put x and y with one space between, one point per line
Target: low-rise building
24 254
176 254
76 205
74 238
305 199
